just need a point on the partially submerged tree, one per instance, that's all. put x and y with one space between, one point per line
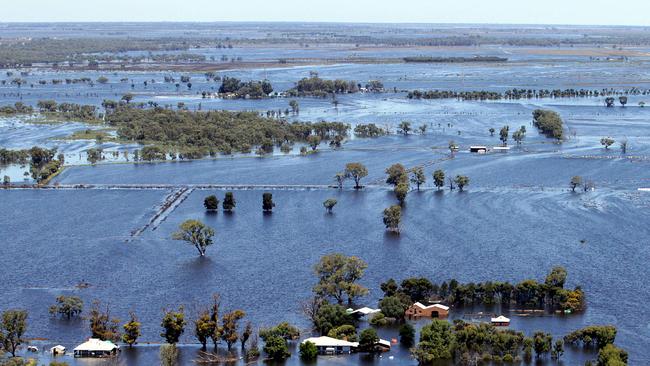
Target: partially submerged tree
329 204
102 325
211 203
267 202
356 171
67 306
401 190
173 324
338 276
461 181
607 142
195 233
392 218
229 202
168 355
575 182
230 326
439 179
417 176
404 127
131 330
503 135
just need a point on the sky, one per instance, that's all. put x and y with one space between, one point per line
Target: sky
580 12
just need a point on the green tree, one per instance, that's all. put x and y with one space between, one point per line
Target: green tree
102 326
367 339
339 178
417 177
128 97
439 179
245 335
204 327
308 351
12 330
196 233
229 327
392 218
401 190
329 204
542 343
393 307
423 129
576 181
67 306
131 330
229 202
356 171
436 342
396 174
211 203
461 181
503 135
407 335
607 142
276 348
558 349
330 316
173 324
518 136
491 130
284 330
267 202
556 278
338 276
611 355
404 127
313 141
345 332
295 107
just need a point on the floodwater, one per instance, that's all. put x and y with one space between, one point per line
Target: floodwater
516 220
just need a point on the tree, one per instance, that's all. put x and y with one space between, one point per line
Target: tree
393 307
345 332
67 306
575 182
131 330
439 178
102 80
607 142
396 174
407 334
461 181
211 203
295 107
417 176
368 339
609 102
229 327
404 127
401 190
338 276
556 278
623 145
196 233
356 171
436 342
308 351
392 218
518 136
330 316
267 202
12 329
611 355
340 179
503 135
284 330
173 324
128 97
329 204
558 349
491 130
168 355
623 100
6 180
423 129
313 141
229 202
102 326
276 348
542 343
245 335
204 327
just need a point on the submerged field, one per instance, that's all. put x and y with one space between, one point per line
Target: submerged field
517 219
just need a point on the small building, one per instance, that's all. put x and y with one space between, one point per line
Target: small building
382 346
364 311
418 310
332 346
94 347
478 149
501 148
57 350
500 321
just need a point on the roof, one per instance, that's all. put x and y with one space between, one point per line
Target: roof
501 148
325 341
478 147
364 310
500 319
384 343
94 344
436 306
58 348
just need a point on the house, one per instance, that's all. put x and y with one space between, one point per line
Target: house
364 311
382 346
418 310
94 347
500 321
501 148
57 350
478 149
332 346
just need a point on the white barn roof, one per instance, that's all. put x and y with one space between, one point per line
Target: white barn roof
94 344
325 341
500 319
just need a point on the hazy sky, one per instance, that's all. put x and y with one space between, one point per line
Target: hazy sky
605 12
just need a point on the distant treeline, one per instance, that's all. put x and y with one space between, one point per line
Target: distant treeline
428 59
521 94
235 88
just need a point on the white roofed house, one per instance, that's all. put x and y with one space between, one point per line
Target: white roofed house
500 321
94 347
431 311
364 311
330 346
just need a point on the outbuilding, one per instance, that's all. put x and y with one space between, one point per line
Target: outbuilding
94 347
364 311
332 346
57 350
478 149
418 310
500 321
